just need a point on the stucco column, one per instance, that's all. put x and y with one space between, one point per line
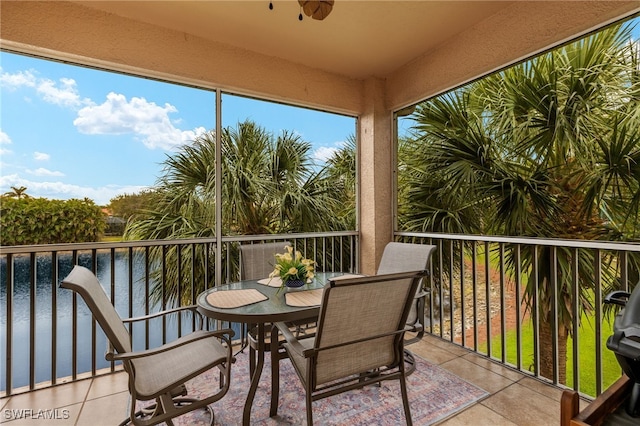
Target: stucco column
375 164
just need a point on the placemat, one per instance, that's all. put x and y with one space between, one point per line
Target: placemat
235 298
271 282
304 298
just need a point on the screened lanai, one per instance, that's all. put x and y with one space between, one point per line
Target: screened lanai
368 60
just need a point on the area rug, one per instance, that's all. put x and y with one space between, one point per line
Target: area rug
434 395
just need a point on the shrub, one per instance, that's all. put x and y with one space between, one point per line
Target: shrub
42 221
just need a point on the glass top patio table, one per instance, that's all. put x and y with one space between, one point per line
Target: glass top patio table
273 309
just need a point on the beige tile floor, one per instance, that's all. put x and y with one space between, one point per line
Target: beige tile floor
515 399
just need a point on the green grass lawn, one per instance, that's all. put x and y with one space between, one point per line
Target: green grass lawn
586 354
611 370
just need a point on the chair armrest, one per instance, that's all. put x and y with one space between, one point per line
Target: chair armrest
294 343
617 298
192 308
291 339
420 294
224 334
598 409
353 342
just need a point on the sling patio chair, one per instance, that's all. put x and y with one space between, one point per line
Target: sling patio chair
159 373
405 257
256 262
359 339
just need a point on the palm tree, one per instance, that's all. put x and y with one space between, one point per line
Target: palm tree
269 185
547 148
17 192
341 171
272 185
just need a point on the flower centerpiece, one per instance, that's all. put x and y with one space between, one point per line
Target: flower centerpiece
293 269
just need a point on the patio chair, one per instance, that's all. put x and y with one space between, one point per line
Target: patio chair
359 339
160 373
257 260
404 257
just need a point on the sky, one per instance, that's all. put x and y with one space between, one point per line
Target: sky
73 132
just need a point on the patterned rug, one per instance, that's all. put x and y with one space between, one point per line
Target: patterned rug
434 394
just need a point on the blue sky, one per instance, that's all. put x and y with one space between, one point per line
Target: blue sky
73 132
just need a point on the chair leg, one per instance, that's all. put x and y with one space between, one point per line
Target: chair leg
244 338
178 397
252 360
153 409
309 408
405 401
275 373
410 361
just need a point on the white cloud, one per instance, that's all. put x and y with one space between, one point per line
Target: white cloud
4 138
41 156
17 80
64 94
117 116
190 135
44 172
62 191
323 153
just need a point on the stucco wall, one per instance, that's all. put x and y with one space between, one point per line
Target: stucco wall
513 34
375 171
